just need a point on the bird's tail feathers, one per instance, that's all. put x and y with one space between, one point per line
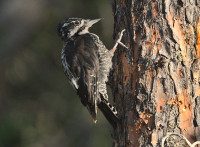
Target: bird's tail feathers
109 111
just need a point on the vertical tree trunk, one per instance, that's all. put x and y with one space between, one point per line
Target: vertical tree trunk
156 83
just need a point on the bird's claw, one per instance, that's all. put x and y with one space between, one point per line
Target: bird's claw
120 37
119 41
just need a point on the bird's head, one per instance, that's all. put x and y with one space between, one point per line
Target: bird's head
74 26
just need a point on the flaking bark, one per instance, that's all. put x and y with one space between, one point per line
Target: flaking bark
156 82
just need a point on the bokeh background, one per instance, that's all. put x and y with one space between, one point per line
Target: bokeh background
38 107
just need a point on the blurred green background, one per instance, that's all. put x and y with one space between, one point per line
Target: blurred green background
38 107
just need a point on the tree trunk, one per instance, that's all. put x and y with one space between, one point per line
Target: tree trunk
156 82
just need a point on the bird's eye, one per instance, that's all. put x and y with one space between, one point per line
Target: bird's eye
76 22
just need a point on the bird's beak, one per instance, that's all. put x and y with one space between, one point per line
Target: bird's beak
91 22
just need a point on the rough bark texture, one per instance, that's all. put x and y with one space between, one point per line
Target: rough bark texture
156 83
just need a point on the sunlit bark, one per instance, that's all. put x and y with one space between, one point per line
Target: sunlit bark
156 82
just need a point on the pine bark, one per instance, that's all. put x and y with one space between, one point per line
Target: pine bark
156 82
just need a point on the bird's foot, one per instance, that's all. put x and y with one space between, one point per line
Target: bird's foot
119 42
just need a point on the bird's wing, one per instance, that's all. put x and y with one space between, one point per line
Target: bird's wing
84 71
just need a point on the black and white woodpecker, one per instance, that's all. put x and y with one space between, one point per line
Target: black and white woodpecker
87 63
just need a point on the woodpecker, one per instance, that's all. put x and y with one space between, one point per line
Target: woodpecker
87 63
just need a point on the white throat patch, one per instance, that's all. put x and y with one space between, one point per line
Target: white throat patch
84 31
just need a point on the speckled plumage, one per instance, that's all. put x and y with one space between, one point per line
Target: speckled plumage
87 63
105 62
